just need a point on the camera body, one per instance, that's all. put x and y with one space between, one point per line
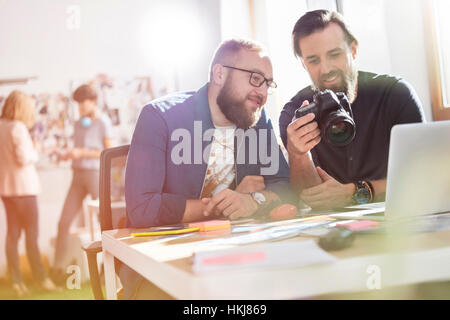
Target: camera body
333 115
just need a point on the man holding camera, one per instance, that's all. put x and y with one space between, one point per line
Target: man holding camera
328 175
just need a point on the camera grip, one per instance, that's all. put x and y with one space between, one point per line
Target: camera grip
303 111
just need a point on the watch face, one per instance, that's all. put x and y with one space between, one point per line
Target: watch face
362 196
259 197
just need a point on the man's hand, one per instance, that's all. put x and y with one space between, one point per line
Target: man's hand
231 204
251 184
303 134
329 194
62 155
74 153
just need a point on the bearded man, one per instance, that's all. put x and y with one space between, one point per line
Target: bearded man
161 189
327 176
175 173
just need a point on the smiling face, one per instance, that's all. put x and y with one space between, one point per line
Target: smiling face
330 60
239 101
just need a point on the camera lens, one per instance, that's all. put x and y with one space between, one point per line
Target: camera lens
340 131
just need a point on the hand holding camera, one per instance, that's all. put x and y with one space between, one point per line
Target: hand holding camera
333 122
334 117
303 134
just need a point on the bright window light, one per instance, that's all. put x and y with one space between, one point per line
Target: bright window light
443 32
172 36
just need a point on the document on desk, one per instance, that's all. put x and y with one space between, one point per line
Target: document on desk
372 205
275 233
267 255
364 211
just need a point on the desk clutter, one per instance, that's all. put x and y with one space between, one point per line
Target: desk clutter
222 245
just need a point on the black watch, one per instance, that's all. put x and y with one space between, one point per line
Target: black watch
363 193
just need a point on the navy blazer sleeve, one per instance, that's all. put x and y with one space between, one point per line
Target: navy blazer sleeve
146 202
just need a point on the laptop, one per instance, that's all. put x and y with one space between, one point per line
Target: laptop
418 176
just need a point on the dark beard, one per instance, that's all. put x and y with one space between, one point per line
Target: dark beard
234 108
347 86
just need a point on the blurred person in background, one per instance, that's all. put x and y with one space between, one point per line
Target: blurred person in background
19 187
92 134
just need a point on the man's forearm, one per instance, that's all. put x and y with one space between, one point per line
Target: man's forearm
90 153
303 173
379 189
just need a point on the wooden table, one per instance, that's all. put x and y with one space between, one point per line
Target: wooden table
396 259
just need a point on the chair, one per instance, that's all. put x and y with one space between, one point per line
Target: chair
112 214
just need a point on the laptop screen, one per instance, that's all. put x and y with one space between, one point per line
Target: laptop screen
418 178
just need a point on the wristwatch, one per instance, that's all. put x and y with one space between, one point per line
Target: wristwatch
259 198
363 193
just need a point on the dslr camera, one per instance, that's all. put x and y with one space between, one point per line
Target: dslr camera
333 115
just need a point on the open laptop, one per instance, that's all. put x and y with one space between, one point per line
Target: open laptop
418 176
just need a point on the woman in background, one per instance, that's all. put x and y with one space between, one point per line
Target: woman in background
19 187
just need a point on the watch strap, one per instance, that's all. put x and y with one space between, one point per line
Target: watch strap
371 189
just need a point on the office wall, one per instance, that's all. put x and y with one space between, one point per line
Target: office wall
392 41
121 38
404 22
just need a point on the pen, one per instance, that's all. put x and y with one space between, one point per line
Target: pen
167 232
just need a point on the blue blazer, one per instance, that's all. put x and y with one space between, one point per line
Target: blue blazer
156 189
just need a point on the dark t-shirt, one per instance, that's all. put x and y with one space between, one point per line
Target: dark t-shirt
382 102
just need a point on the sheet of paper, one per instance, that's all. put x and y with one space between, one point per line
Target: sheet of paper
247 228
315 232
359 213
353 211
374 205
270 234
268 255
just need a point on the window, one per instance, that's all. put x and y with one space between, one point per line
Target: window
437 31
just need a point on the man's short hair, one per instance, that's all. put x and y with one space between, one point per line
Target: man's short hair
229 48
318 20
84 92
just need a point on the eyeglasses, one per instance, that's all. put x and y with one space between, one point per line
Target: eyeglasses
256 78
